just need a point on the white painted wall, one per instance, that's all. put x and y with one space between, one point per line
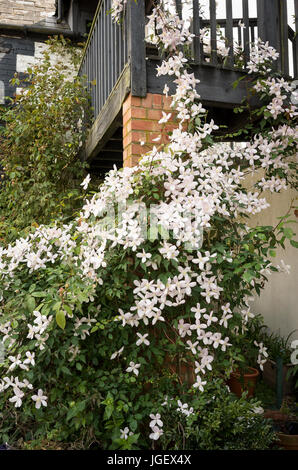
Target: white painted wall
279 301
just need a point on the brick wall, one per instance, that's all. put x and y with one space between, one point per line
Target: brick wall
140 124
25 12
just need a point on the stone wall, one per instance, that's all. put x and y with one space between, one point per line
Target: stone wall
25 12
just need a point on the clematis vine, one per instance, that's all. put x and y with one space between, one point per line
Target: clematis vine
195 290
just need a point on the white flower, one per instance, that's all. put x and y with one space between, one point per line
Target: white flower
224 343
86 182
155 420
183 408
124 433
133 368
199 383
165 118
157 432
192 346
17 399
30 358
142 339
40 399
15 361
210 318
144 256
258 410
117 353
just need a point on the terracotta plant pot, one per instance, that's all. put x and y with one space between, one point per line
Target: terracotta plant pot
240 383
288 441
282 424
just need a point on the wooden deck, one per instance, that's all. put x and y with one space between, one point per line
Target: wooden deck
118 61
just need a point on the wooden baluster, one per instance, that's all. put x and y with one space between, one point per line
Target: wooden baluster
213 31
179 8
239 30
246 30
284 37
295 42
269 24
196 26
229 32
252 33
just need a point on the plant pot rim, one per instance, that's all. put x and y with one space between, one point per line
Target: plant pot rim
254 373
279 416
290 436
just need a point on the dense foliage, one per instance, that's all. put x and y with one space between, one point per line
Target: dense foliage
121 334
44 127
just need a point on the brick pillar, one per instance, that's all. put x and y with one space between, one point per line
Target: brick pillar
140 124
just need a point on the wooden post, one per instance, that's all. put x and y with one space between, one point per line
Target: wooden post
295 41
137 47
269 23
229 32
198 53
284 37
75 16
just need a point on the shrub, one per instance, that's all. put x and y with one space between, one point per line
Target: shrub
44 129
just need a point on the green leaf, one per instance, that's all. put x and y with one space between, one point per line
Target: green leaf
294 243
288 232
248 276
39 294
30 302
60 319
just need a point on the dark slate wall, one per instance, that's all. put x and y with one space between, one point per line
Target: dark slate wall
10 47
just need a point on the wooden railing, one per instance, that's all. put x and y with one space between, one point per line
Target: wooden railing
271 24
111 48
105 55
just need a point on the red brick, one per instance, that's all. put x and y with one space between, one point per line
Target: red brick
138 136
126 105
167 103
154 114
139 113
137 149
147 102
136 101
153 135
157 101
143 125
126 140
126 117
